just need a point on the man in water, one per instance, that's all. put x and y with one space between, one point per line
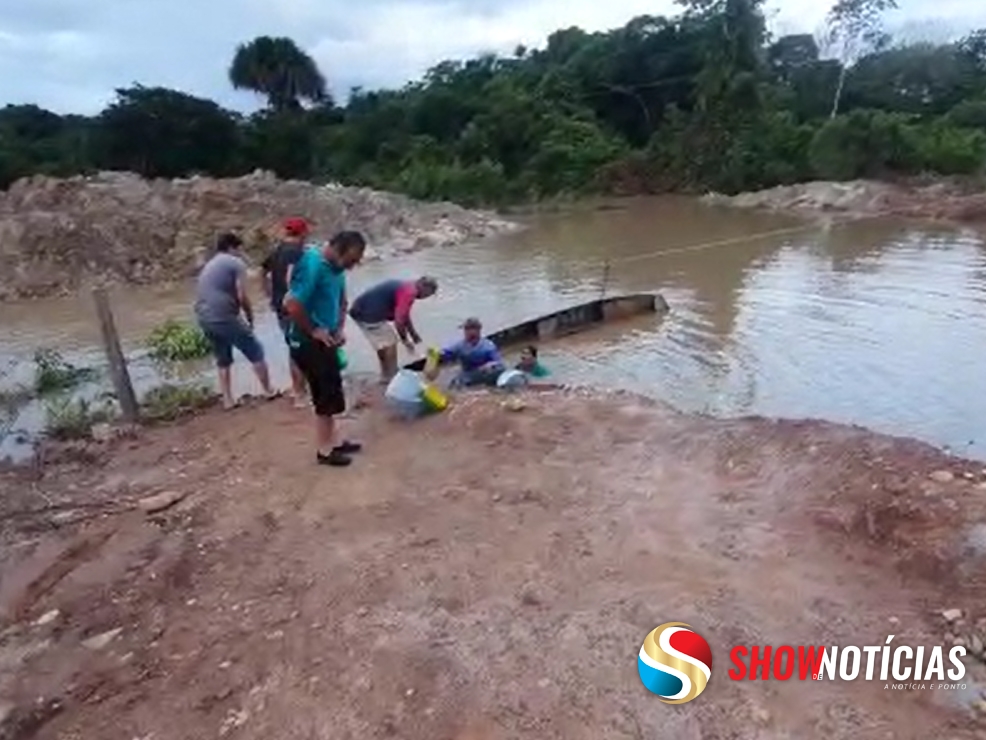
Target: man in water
276 272
316 303
383 312
220 298
529 363
479 359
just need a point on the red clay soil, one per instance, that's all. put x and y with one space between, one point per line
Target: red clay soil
486 573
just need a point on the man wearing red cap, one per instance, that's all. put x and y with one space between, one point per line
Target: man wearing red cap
275 275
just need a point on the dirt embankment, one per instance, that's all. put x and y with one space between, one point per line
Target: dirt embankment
948 201
487 573
57 234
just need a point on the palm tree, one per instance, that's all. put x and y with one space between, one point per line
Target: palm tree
279 70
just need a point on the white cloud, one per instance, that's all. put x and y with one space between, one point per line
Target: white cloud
69 55
402 41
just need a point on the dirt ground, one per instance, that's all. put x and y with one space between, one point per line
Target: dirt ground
482 574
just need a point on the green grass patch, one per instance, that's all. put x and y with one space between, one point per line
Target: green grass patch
175 341
172 401
52 373
73 418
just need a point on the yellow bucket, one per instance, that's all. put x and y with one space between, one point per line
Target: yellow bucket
434 399
431 364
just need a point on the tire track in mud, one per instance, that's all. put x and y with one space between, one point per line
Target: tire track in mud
17 595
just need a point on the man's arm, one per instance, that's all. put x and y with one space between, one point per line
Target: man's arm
300 291
293 258
241 294
449 354
493 356
343 310
266 267
402 314
409 325
298 314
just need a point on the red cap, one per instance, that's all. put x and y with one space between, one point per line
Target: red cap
296 227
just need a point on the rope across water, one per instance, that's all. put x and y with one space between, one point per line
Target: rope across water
701 247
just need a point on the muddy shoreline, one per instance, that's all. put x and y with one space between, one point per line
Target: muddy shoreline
942 200
485 573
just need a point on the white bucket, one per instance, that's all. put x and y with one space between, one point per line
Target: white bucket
510 379
403 395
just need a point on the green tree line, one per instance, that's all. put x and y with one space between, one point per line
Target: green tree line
703 100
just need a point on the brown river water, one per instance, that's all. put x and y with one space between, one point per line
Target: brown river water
878 323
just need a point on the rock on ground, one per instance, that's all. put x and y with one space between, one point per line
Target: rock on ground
56 234
943 200
98 642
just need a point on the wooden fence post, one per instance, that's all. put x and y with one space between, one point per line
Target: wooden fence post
114 354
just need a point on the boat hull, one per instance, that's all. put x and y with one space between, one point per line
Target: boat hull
572 320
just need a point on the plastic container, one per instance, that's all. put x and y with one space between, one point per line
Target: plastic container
511 379
433 399
404 395
432 360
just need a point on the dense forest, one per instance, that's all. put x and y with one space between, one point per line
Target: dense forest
703 100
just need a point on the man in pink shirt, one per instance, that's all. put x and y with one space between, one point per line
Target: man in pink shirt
383 313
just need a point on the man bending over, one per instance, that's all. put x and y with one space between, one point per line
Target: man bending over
383 312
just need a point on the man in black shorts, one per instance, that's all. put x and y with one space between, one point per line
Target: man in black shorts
275 277
316 303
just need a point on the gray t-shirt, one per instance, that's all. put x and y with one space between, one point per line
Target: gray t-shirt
216 298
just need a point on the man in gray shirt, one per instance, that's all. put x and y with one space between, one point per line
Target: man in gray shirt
220 297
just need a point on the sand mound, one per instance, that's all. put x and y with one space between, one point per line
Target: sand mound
56 234
940 201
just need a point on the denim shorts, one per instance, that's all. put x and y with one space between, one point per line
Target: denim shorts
224 335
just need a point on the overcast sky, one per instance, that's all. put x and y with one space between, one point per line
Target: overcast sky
69 55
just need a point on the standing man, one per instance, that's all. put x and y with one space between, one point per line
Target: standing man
275 278
316 303
220 298
383 312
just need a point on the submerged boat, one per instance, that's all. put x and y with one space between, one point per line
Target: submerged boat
571 320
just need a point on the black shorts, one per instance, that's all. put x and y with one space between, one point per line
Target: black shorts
284 322
320 366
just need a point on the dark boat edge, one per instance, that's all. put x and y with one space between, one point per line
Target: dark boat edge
571 320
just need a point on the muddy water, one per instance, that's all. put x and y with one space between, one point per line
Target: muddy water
877 323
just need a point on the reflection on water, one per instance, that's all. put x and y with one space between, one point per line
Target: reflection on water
877 323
